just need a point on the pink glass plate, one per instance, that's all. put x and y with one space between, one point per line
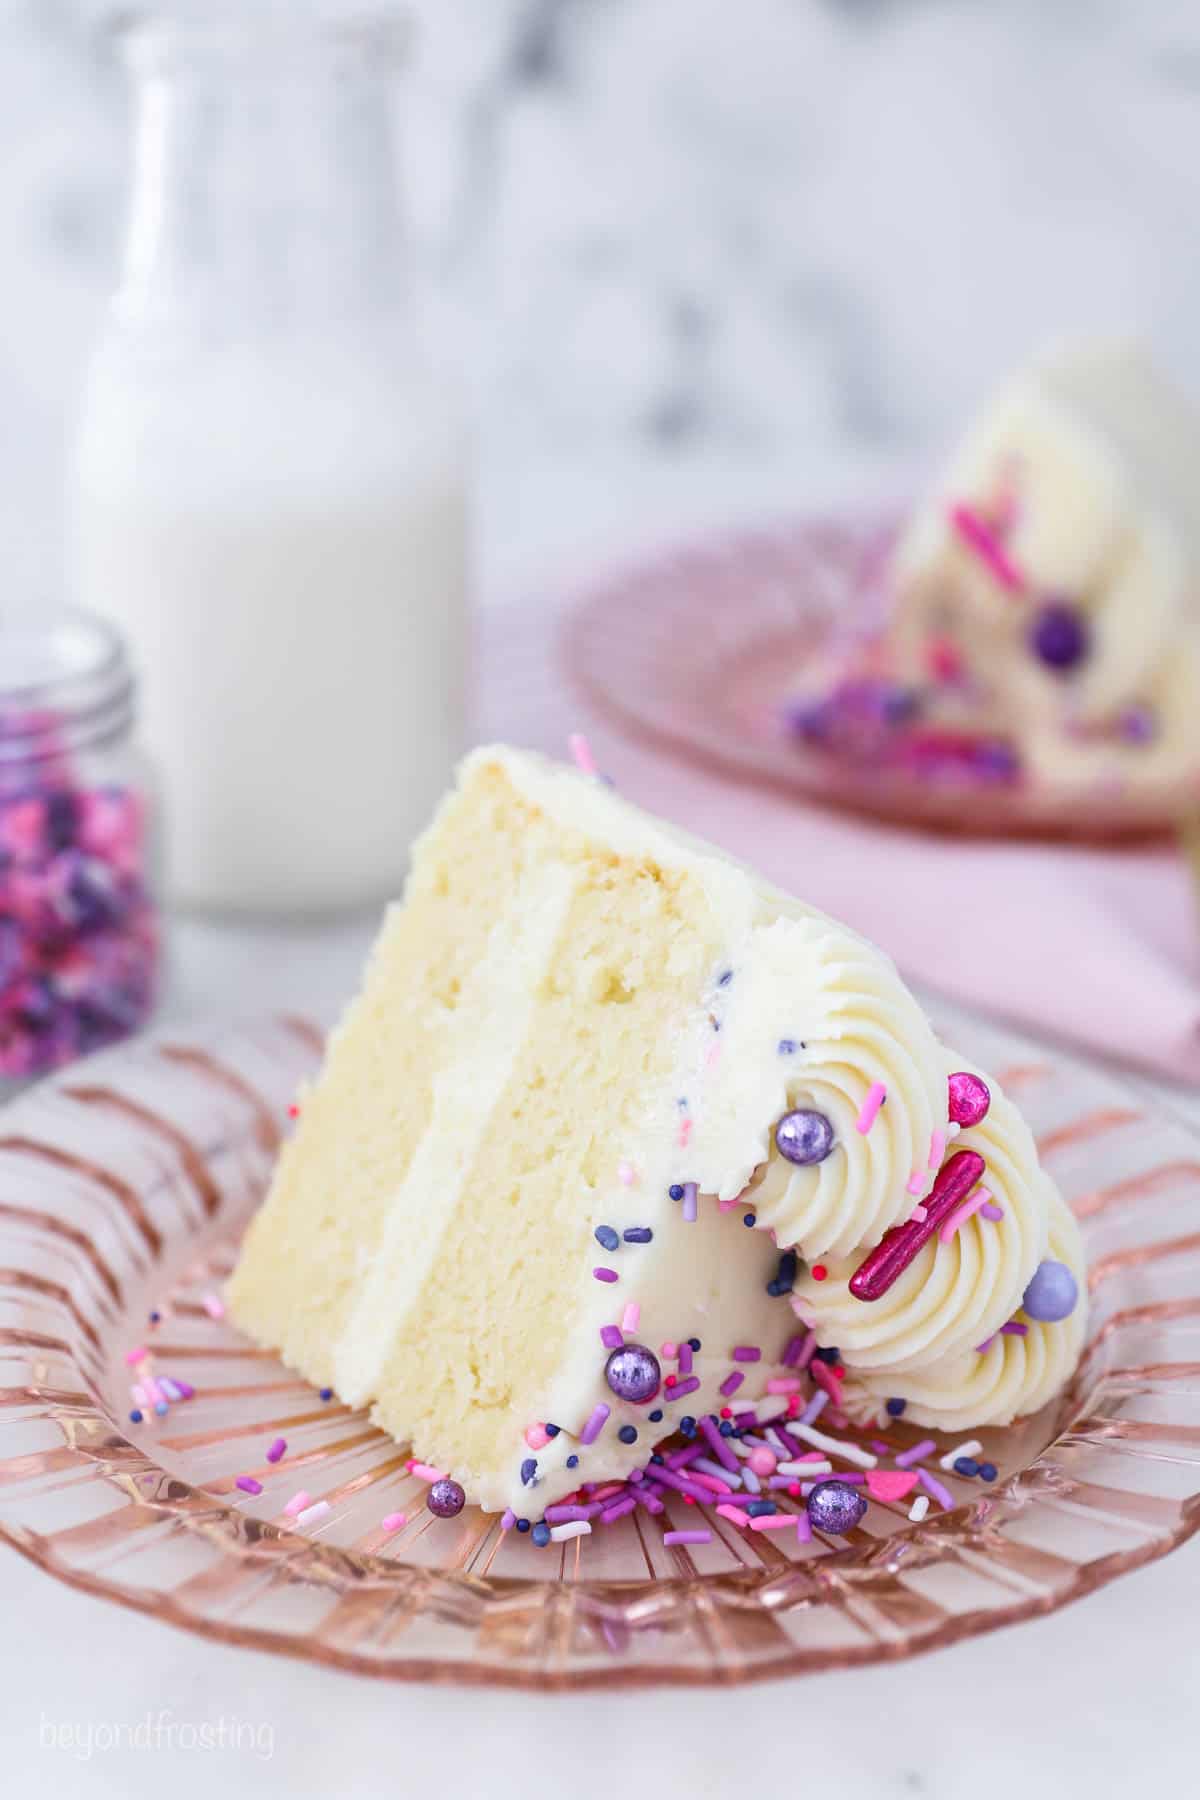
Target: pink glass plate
126 1184
700 648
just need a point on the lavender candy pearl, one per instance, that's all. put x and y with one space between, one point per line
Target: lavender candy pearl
446 1498
804 1136
1052 1294
633 1373
836 1507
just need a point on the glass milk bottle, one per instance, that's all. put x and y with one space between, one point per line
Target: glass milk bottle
269 483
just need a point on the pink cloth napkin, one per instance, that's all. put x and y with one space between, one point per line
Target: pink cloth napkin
1098 947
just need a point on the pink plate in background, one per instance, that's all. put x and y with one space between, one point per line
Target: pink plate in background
700 647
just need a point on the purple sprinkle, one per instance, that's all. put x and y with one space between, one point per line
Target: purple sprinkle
815 1407
681 1388
742 1419
719 1446
680 1483
986 1345
793 1352
679 1459
732 1383
993 1213
595 1424
508 1519
906 1458
606 1274
792 1445
942 1495
562 1515
185 1388
746 1353
618 1508
1014 1328
612 1337
685 1359
276 1450
248 1484
690 1191
649 1500
687 1537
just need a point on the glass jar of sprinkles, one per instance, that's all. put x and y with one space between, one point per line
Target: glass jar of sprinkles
79 927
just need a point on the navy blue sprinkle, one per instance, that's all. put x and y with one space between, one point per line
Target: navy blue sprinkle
522 1524
777 1288
787 1267
687 1423
826 1355
606 1237
155 1317
757 1507
551 1430
787 1046
327 1393
675 1191
965 1465
748 1219
628 1434
655 1416
528 1470
726 978
656 1458
694 1343
639 1234
896 1407
137 1415
541 1534
725 1428
572 1462
989 1471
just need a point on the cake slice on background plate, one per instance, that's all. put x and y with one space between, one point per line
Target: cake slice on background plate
605 1100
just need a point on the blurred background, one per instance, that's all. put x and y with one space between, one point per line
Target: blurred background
788 235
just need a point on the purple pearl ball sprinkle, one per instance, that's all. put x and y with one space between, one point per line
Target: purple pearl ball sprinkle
1053 1293
804 1136
446 1499
633 1373
1059 637
836 1507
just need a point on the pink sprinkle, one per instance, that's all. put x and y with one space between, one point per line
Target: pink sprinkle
596 1423
610 1337
537 1437
214 1306
669 1351
876 1095
918 1215
937 1149
248 1484
1014 1328
687 1537
139 1396
916 1182
978 537
783 1384
907 1457
713 1482
962 1213
137 1355
932 1485
685 1132
732 1383
605 1274
581 750
991 1212
296 1505
397 1521
424 1472
631 1318
806 1354
735 1513
713 1054
276 1450
153 1392
771 1522
626 1173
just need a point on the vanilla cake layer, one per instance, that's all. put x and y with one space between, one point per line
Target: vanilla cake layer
546 1128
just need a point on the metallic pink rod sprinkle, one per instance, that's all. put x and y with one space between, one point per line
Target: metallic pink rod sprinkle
961 1214
976 535
876 1095
897 1247
783 1384
581 750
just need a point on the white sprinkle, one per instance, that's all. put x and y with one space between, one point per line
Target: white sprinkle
848 1452
572 1528
919 1508
803 1470
970 1448
313 1513
740 1447
750 1481
771 1406
776 1442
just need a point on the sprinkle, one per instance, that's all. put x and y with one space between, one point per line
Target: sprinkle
916 1182
572 1462
783 1384
311 1514
961 1214
803 1526
275 1450
154 1393
680 1388
966 1465
772 1522
541 1534
248 1484
685 1359
424 1472
170 1388
683 1484
628 1434
160 1407
732 1383
611 1337
576 1528
687 1537
529 1472
606 1237
536 1436
897 1248
918 1215
988 1471
595 1424
750 1480
891 1484
690 1191
685 1132
761 1509
606 1274
750 1220
896 1407
718 1445
836 1446
618 1509
396 1521
807 1467
639 1234
214 1306
937 1149
982 1349
627 1176
746 1353
326 1394
869 1111
726 1511
787 1046
675 1191
818 1272
991 1212
296 1505
967 1449
917 1454
293 1111
136 1416
632 1316
581 750
982 540
942 1495
724 979
561 1515
919 1508
522 1524
1014 1328
645 1497
814 1409
135 1356
668 1351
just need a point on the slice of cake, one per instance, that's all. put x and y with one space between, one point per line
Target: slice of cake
1043 606
605 1100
